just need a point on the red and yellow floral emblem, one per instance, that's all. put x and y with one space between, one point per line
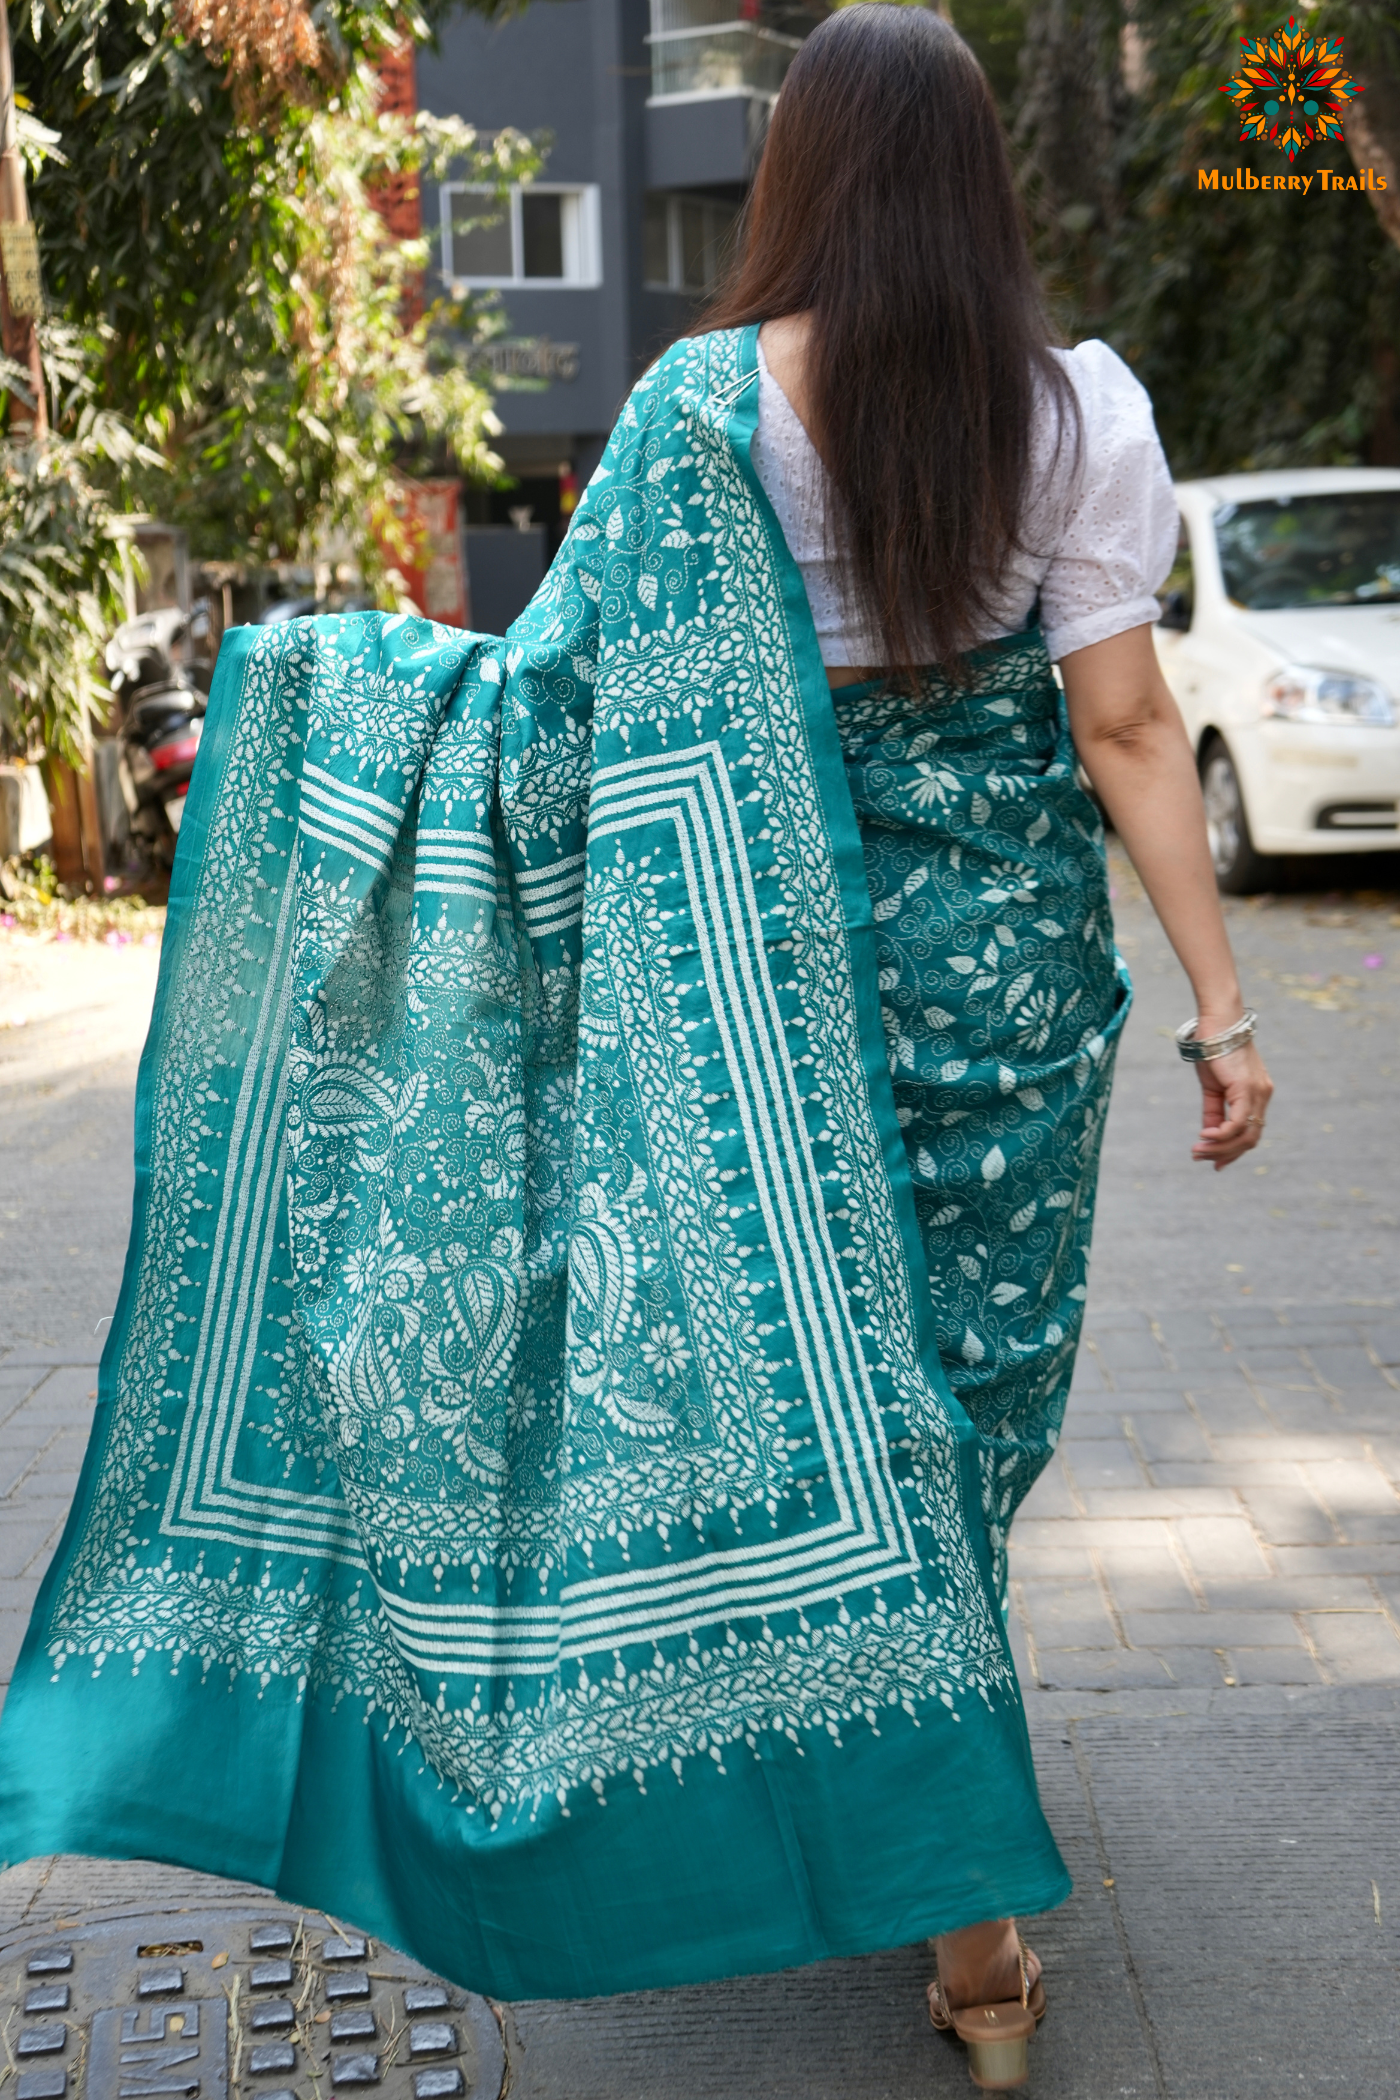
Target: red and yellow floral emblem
1292 88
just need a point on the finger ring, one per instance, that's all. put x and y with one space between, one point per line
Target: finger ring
1254 1119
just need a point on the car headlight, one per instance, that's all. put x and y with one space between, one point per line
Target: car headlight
1304 693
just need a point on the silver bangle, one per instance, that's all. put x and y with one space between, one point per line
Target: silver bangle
1201 1050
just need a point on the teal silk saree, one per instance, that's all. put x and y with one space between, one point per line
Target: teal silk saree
615 1155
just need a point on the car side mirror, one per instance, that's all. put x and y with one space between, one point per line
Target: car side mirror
1176 612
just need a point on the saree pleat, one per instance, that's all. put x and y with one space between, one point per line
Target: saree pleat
1003 999
547 1503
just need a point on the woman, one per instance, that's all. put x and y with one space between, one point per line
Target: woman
616 1150
943 481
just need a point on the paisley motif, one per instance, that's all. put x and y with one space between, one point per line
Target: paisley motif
602 1293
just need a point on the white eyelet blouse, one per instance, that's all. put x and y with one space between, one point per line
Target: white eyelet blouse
1099 537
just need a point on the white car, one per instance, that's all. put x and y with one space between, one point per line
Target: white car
1280 639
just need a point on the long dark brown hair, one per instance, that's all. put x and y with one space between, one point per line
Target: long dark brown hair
884 206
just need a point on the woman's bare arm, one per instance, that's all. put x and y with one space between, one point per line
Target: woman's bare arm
1135 750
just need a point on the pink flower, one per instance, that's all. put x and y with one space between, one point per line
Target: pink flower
1372 962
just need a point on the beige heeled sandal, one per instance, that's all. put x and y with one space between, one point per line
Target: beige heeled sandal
997 2036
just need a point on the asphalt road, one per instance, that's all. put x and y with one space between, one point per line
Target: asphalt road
1206 1582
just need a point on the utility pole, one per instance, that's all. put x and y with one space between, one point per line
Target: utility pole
19 259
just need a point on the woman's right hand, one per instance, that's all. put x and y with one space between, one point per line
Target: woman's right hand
1235 1095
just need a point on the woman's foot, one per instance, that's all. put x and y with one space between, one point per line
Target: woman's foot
981 1965
984 1996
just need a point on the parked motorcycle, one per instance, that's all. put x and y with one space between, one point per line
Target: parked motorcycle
159 671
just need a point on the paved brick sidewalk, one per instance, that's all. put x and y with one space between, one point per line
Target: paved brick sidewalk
45 1413
1224 1508
1206 1580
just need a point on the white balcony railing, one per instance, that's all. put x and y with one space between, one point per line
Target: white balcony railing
698 48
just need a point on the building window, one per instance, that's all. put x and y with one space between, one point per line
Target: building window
715 47
540 234
686 241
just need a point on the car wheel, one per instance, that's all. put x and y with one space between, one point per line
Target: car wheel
1239 870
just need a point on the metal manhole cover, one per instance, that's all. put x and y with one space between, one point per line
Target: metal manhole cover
235 2004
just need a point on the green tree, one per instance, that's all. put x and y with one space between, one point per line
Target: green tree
1262 324
206 206
60 568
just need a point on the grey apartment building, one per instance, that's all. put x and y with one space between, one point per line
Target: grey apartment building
657 111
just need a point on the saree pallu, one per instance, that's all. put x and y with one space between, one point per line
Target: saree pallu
529 1513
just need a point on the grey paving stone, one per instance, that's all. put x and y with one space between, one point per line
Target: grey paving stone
44 1356
1211 1629
1160 1502
1229 1411
1337 1442
1036 1563
1101 1462
1378 1424
15 1463
46 1480
1085 1420
1359 1497
1260 1470
22 1433
1067 1615
22 1539
1165 1399
18 1592
1301 1563
1099 1669
1020 1646
1220 1911
1164 1437
1109 1317
1198 1667
1138 1563
1051 1497
1128 1350
1198 1357
15 1388
1272 1666
1349 1369
1222 1549
1145 1389
1288 1516
1301 1413
1188 1330
1355 1647
1274 1366
1089 1377
13 1625
1385 1340
1255 1323
1314 1592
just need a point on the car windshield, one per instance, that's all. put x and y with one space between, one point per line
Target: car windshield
1342 549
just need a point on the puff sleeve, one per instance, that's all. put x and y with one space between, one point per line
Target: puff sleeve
1118 530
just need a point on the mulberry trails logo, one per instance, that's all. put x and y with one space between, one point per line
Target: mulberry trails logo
1292 89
